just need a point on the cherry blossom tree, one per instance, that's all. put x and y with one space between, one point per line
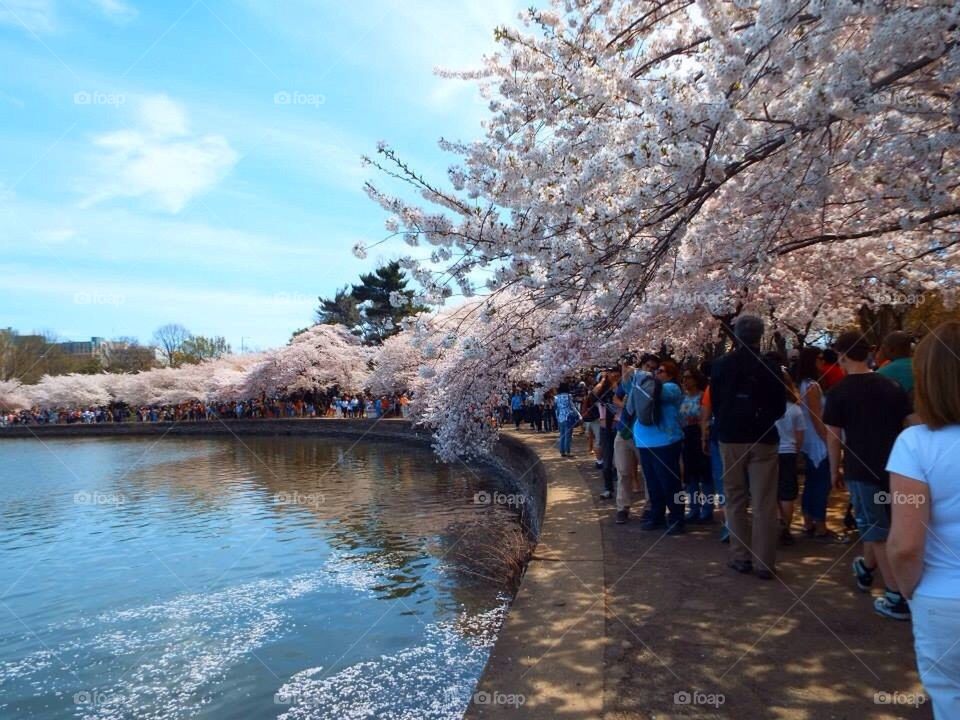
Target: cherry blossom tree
12 396
651 169
397 362
318 358
73 391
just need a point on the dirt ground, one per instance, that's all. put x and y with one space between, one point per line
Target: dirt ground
688 637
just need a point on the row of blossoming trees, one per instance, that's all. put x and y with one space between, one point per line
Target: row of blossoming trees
649 170
316 359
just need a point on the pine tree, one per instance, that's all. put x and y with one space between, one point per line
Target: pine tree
366 307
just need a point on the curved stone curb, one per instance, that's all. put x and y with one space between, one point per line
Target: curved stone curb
548 659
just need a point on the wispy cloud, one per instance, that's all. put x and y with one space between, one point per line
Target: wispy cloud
39 17
34 16
159 159
116 9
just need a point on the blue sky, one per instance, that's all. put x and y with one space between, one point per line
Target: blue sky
198 161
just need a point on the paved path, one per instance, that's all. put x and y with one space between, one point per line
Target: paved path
678 624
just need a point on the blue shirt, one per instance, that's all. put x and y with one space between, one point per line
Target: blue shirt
668 431
564 407
690 409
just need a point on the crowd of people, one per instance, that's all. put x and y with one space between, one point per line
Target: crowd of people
308 405
732 437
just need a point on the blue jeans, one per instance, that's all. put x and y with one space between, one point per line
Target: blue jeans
873 516
816 489
566 436
661 472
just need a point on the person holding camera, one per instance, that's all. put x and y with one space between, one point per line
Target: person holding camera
653 407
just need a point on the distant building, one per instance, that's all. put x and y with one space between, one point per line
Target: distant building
124 357
92 348
114 355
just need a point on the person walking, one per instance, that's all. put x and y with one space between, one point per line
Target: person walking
748 398
516 407
925 530
816 473
864 415
567 418
790 428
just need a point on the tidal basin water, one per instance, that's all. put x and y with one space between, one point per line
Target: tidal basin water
254 578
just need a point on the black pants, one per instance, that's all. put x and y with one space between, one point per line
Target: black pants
607 436
536 417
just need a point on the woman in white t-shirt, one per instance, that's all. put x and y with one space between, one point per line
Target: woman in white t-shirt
790 428
924 543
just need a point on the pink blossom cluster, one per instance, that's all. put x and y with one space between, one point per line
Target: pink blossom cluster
650 169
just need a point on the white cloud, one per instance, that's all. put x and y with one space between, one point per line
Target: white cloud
12 100
162 116
35 16
405 41
115 9
159 160
38 17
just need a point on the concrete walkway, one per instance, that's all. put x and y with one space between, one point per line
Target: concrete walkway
614 622
548 661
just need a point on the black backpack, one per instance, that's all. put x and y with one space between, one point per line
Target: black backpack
750 407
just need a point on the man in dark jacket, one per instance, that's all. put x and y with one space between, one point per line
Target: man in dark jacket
749 396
